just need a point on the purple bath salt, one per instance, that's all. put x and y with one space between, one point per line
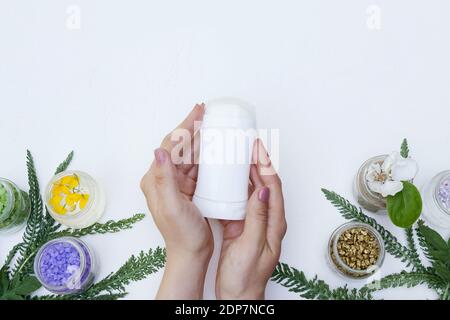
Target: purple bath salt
64 265
444 193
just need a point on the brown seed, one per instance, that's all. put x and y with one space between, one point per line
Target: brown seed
358 248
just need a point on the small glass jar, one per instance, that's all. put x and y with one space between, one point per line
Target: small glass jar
369 200
75 199
436 195
14 207
65 266
338 264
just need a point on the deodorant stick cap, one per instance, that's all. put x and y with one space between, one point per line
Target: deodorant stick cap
227 135
229 112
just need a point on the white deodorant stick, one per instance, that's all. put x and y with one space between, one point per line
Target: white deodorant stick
227 135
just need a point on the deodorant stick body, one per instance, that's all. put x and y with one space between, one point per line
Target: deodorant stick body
227 136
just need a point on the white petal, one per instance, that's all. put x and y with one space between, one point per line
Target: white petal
404 170
390 161
391 188
375 186
373 171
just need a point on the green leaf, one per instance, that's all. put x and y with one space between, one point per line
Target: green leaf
433 238
404 149
28 285
4 280
442 271
406 206
65 164
11 296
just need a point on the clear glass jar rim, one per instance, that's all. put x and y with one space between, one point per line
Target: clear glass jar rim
446 175
7 211
76 244
348 225
92 194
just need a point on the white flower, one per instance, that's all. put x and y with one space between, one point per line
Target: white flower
386 178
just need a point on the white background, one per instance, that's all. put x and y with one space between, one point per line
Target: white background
339 91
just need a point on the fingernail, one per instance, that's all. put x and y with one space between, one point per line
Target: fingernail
264 194
160 156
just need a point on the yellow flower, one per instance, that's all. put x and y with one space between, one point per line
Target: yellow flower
66 197
56 201
59 189
71 181
84 200
72 199
60 210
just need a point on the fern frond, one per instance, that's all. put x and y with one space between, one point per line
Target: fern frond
402 279
65 164
404 149
418 266
101 228
315 288
135 269
34 221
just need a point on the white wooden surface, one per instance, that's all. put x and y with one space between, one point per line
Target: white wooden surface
339 88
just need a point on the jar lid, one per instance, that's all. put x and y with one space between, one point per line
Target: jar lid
61 265
7 199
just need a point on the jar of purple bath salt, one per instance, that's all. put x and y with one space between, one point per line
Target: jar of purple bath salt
437 200
65 266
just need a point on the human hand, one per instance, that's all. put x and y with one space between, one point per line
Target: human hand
168 189
251 248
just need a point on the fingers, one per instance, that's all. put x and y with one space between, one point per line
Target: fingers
266 175
186 184
232 229
254 177
160 183
187 124
192 159
256 221
266 170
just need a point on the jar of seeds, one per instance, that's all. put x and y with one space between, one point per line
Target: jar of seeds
355 250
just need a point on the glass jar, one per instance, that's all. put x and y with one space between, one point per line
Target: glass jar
14 207
436 195
366 198
75 199
65 266
340 264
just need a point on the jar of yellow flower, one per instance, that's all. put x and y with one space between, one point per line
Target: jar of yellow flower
75 199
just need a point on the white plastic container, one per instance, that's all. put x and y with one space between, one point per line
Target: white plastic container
227 135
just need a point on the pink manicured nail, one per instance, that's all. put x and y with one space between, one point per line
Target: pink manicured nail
264 194
160 156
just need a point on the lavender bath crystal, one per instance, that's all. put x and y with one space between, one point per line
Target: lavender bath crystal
437 200
65 266
444 193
